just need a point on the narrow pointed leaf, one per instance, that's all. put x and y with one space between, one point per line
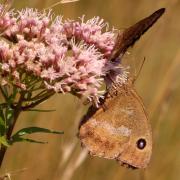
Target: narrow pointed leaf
20 139
32 130
2 123
17 137
4 141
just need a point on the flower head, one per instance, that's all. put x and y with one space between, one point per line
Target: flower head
61 56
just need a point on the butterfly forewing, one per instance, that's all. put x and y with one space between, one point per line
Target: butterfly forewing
130 35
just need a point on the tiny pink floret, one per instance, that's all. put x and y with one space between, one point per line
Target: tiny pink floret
65 56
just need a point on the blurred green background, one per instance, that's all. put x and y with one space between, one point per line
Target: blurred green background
158 84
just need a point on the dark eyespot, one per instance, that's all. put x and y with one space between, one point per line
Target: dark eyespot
141 143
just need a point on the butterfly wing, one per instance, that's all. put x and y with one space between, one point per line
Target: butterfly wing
139 149
130 35
113 131
101 134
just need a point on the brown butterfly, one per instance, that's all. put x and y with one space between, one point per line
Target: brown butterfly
119 128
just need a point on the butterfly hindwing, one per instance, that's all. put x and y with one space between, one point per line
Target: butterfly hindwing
116 126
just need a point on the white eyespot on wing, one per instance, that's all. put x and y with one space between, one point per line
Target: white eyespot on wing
122 130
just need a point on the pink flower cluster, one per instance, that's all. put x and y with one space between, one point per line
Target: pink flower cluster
65 56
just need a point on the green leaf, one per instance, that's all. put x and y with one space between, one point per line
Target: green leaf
2 126
4 141
20 139
2 123
2 114
31 130
9 113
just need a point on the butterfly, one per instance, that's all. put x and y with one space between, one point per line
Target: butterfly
119 128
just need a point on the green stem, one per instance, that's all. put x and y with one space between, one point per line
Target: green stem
17 111
2 153
32 105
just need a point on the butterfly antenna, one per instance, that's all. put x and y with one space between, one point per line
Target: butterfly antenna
139 71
